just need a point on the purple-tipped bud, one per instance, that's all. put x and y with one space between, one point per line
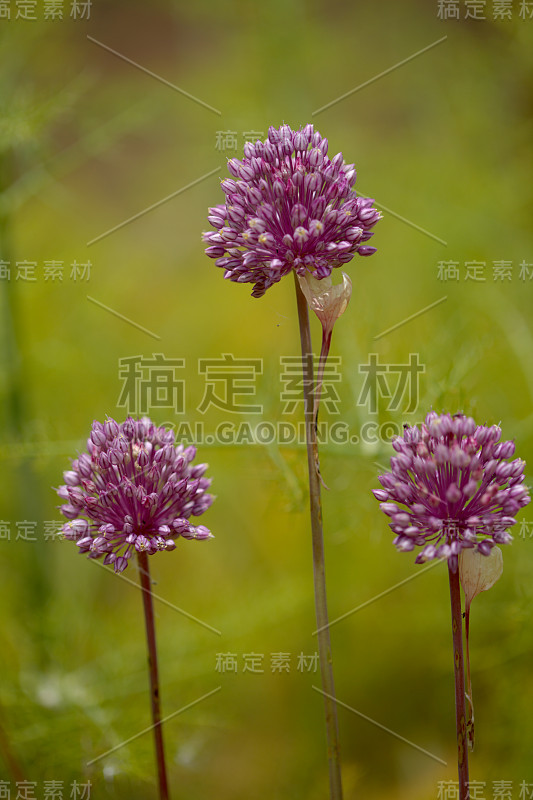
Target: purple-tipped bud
111 429
69 511
453 493
485 547
71 478
75 529
389 508
98 438
142 544
143 459
203 533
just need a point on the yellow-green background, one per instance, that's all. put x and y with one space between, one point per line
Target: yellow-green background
88 141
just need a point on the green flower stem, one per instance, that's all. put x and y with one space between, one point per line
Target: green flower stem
469 696
146 587
459 675
324 644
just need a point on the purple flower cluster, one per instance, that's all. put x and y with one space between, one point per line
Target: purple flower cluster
452 486
290 207
136 488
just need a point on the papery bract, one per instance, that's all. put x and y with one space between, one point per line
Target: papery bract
479 573
327 300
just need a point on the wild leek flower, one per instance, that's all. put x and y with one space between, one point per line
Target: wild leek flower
453 490
133 491
452 486
290 208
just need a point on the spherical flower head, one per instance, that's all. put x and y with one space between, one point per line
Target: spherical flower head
133 491
453 485
290 207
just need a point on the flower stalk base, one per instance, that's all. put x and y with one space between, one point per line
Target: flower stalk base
459 678
323 636
144 572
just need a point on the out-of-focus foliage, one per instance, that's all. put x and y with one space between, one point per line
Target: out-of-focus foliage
87 142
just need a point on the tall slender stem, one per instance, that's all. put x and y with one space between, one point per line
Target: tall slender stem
459 676
146 587
324 353
324 644
469 695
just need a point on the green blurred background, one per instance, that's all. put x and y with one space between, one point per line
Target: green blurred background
88 141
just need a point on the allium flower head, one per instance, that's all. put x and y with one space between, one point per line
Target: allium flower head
134 490
289 207
452 486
